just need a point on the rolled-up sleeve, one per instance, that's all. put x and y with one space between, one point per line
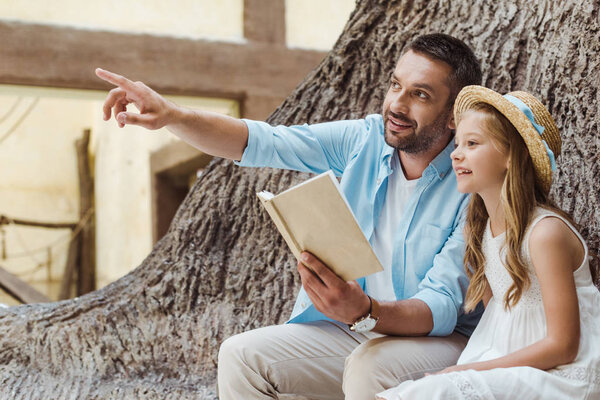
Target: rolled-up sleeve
309 148
445 284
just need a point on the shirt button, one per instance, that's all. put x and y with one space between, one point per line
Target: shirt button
303 305
378 181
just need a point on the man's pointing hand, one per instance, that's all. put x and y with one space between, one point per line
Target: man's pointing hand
154 110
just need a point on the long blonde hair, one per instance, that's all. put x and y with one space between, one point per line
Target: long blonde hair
521 194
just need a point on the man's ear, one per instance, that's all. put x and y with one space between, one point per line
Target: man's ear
451 124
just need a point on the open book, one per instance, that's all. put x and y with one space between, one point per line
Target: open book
314 216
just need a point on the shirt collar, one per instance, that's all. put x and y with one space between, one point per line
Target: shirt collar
442 163
388 151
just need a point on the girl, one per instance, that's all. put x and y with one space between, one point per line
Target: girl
539 335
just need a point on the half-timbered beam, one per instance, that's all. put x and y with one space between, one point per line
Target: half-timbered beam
63 57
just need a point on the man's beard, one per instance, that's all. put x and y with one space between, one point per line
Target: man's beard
421 139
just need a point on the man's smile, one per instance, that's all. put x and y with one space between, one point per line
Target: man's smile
397 123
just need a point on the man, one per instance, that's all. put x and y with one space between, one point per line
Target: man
354 339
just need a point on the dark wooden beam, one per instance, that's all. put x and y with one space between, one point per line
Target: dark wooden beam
86 274
51 56
20 290
4 220
259 107
71 268
264 21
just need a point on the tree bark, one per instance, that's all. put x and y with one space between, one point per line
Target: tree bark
222 268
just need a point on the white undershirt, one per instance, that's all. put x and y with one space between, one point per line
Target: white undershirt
379 285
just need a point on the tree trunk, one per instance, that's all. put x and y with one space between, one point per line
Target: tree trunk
222 268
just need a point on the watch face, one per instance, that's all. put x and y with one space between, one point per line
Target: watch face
365 325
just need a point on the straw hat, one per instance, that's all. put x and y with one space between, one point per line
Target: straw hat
543 162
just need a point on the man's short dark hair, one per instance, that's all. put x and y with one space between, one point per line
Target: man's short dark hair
454 52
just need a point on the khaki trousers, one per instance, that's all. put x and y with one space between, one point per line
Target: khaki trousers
325 360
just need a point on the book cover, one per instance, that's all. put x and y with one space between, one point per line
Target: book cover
314 216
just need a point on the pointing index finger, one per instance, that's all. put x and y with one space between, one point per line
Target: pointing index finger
115 79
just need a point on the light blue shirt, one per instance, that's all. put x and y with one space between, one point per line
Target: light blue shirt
427 263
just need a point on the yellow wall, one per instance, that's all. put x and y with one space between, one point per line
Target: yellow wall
218 19
38 180
315 24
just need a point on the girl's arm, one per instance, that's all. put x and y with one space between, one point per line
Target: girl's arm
555 252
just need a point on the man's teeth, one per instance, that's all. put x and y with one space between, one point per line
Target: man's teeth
398 124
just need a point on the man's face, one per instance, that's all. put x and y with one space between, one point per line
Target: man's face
416 111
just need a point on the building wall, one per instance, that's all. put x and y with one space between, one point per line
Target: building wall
39 181
315 24
38 165
205 19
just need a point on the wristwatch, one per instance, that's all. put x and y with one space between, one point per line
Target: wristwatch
367 322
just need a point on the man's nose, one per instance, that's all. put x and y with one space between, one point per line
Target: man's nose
400 103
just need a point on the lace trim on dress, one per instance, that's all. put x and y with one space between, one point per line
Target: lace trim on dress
578 374
464 386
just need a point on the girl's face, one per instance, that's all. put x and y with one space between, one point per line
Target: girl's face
478 162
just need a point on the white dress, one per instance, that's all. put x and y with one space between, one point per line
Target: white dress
501 332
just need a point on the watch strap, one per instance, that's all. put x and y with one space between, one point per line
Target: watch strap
373 315
374 311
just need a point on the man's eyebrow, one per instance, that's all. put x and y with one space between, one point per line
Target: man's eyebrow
424 86
417 85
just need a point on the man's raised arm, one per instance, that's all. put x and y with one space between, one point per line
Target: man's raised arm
215 134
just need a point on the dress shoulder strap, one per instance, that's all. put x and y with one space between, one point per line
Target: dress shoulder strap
541 213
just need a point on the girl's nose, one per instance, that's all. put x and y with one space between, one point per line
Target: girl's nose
456 154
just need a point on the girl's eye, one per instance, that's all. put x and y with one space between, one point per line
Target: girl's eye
471 143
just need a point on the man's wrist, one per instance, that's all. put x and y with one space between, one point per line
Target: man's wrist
177 116
364 310
367 321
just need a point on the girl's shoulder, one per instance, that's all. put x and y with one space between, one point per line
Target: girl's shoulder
551 234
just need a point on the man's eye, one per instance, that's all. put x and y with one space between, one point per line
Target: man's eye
395 85
421 95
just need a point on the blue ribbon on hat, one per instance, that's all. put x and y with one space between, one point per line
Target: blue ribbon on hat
529 114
